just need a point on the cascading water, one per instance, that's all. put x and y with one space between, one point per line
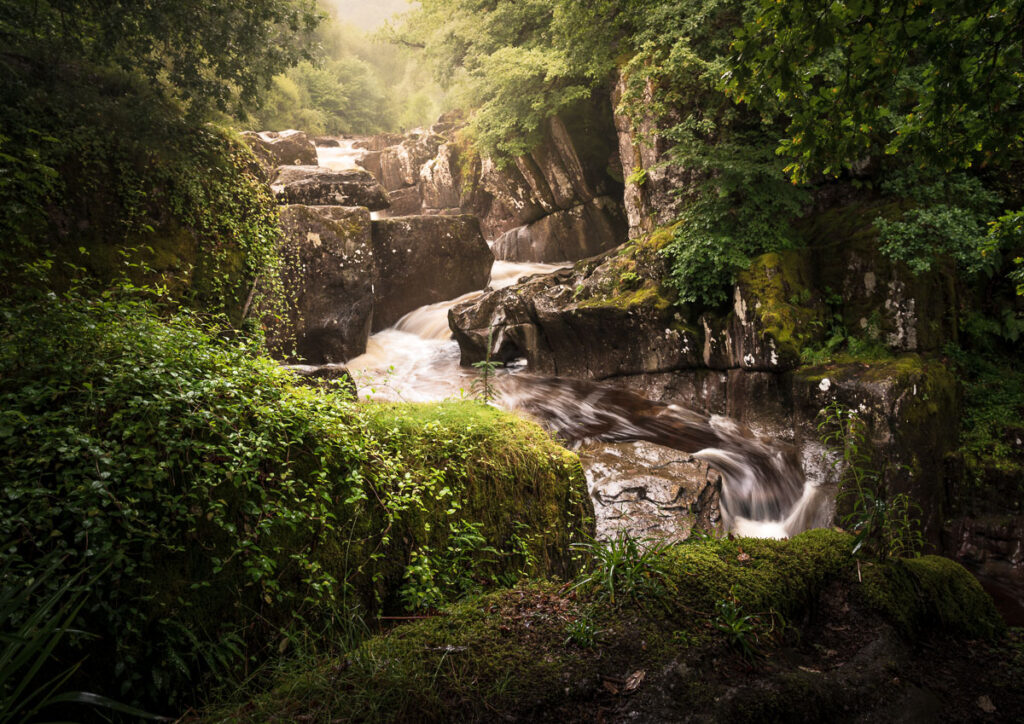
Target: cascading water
763 491
343 157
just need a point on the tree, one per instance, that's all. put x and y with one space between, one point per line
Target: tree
211 53
939 82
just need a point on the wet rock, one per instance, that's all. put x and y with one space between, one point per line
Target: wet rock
426 259
911 406
329 273
326 142
992 547
649 491
564 324
404 202
315 186
287 148
571 234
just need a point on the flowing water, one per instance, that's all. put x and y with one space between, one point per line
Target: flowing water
763 492
343 157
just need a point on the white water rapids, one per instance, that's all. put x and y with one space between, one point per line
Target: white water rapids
763 490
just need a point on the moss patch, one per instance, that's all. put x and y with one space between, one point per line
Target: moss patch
507 654
932 593
780 288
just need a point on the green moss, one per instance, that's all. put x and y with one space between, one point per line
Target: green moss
659 238
649 295
220 504
508 652
779 287
931 594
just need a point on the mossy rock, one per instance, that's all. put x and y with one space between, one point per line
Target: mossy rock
881 299
931 593
778 291
508 654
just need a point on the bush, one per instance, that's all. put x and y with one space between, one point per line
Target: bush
227 508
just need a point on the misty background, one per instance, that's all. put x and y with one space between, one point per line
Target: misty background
358 83
368 14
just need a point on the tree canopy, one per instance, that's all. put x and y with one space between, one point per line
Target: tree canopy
212 53
940 81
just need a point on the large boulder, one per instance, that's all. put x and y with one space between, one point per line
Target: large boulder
575 233
316 186
439 180
329 275
404 202
401 163
287 148
426 259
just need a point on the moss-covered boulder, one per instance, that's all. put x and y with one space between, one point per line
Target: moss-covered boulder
912 407
672 651
880 299
218 507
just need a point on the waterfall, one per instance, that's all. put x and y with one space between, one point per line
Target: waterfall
763 491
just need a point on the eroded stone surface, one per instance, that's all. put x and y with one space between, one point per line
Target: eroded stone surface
568 234
649 491
316 186
425 259
329 272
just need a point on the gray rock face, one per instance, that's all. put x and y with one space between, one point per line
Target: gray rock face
439 180
329 272
401 164
426 259
552 322
575 233
649 491
652 195
287 148
404 202
316 186
564 203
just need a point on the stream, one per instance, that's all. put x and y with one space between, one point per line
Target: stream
653 470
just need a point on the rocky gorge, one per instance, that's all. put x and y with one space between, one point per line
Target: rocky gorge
606 315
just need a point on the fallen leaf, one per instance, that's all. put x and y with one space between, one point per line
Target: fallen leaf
986 705
743 557
634 680
610 687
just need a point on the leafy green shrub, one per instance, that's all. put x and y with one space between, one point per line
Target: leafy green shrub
883 525
626 567
95 165
228 508
950 219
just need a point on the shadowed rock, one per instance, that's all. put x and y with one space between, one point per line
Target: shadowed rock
426 259
575 233
329 274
